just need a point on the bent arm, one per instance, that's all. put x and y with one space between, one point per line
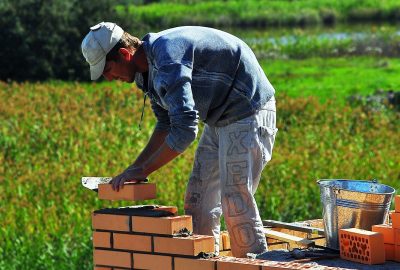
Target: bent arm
156 153
156 140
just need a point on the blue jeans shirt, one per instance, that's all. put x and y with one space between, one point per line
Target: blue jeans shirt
200 73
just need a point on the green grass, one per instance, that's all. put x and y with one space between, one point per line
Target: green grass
333 78
52 134
258 13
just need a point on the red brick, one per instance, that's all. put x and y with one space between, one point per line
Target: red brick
132 242
361 246
129 192
112 258
193 264
232 263
226 241
390 252
171 209
221 243
397 253
191 245
152 262
102 268
161 225
387 231
397 203
102 239
110 222
396 220
270 265
396 236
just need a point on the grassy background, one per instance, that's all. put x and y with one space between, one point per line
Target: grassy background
53 133
258 12
333 78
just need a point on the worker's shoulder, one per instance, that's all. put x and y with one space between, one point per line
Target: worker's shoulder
192 35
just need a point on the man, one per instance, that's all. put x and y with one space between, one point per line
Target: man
191 73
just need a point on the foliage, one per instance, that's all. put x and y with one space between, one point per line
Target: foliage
52 134
259 12
298 43
41 39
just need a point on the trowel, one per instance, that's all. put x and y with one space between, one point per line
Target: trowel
92 183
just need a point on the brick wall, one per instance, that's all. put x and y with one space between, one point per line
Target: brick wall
156 238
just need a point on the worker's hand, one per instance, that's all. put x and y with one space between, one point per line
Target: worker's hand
129 175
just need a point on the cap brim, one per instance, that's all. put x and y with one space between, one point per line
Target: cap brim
97 70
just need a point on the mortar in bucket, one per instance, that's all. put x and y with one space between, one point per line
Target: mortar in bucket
352 204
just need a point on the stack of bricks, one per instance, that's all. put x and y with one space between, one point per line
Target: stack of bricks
156 238
376 247
143 237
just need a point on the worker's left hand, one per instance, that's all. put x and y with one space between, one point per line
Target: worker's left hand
130 174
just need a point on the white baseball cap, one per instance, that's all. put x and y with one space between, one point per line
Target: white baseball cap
97 43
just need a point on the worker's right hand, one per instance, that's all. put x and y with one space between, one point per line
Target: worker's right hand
129 175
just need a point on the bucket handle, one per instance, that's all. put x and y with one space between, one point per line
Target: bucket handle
374 188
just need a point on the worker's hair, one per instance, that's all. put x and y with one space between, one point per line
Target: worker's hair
127 41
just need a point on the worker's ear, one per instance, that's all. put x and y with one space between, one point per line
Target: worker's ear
125 53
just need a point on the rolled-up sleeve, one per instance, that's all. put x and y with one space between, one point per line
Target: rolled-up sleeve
161 114
173 83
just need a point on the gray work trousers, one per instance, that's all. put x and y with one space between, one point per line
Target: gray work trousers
226 173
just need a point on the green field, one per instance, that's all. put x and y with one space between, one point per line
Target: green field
333 78
52 134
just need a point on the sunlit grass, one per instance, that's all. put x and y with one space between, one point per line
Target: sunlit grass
333 78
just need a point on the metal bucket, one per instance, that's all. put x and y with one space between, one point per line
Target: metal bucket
352 204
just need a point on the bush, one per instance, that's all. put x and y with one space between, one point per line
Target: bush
41 39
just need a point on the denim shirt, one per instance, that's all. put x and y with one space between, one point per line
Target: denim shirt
200 73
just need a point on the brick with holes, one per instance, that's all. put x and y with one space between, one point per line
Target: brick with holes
361 246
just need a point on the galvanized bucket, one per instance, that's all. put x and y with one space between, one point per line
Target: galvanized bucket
352 204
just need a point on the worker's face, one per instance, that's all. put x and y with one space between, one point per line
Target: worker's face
123 68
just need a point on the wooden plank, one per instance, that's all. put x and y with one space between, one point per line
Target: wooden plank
293 226
288 238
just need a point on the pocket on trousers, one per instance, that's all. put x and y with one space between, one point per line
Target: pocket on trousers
267 131
267 140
